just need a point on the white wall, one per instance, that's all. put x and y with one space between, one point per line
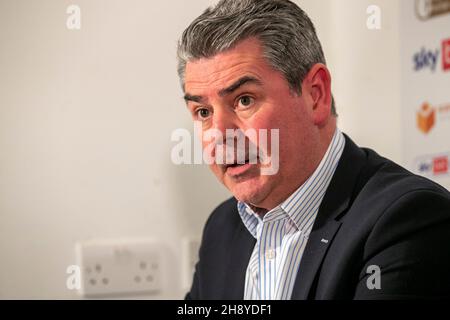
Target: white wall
86 118
366 68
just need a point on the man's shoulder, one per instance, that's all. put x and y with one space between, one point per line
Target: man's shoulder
372 183
391 181
225 215
388 192
395 210
223 209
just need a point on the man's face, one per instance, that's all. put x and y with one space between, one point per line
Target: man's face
239 89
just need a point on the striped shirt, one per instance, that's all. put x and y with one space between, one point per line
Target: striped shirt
281 235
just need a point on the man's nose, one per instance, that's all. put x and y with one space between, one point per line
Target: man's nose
224 120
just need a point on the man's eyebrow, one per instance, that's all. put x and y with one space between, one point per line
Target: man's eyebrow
226 91
188 97
239 83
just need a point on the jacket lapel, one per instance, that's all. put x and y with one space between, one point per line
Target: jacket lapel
241 250
336 200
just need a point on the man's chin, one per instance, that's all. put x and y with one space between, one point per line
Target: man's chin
248 192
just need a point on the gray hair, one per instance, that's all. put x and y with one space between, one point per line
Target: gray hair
287 35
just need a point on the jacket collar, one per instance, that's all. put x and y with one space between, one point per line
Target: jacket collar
337 199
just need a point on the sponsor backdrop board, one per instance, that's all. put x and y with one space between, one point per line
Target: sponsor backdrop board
425 50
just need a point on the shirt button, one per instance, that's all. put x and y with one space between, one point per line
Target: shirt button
270 254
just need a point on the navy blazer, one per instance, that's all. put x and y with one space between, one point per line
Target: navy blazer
374 212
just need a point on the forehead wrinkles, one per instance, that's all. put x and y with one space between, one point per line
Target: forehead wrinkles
208 77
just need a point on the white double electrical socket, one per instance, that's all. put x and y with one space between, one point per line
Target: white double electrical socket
119 267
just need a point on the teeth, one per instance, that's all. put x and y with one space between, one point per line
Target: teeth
239 164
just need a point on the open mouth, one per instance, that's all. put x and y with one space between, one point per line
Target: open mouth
235 165
237 169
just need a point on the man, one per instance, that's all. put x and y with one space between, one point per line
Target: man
335 221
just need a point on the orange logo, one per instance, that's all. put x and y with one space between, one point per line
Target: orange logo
426 118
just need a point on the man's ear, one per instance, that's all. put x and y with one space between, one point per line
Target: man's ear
319 85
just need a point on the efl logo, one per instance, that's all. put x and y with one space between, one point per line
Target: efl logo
427 9
426 118
446 54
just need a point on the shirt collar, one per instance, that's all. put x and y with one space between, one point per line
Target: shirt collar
301 206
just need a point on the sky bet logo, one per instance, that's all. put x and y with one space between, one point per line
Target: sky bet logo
429 59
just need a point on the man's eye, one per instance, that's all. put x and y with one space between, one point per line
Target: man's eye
245 101
202 113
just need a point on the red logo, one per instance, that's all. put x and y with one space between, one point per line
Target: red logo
446 54
440 165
